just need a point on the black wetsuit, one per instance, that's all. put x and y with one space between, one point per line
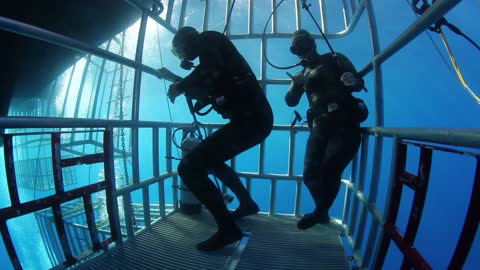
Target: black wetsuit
334 131
224 79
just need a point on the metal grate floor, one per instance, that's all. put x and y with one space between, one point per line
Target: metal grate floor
274 243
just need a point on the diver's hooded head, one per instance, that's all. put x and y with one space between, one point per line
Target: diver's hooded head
303 44
186 43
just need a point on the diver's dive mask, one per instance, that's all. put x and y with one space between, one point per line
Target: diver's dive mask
302 45
187 65
182 54
185 46
179 52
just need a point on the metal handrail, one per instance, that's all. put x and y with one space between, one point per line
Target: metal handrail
453 137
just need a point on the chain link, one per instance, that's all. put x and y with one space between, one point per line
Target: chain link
121 97
122 130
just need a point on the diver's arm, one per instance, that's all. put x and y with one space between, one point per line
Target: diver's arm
295 92
192 84
205 75
292 98
350 77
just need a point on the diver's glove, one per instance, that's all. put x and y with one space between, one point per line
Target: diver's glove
174 91
353 83
298 79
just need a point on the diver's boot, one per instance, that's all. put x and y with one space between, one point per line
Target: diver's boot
220 239
245 210
309 220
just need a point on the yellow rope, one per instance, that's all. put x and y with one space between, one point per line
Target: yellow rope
457 69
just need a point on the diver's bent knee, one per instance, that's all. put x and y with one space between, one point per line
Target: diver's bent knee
308 181
184 168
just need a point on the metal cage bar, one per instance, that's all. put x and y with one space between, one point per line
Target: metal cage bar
405 243
470 225
419 183
92 226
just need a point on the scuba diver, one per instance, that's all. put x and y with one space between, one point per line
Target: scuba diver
333 118
223 79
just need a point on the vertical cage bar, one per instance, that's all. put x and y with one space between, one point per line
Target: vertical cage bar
261 162
291 153
183 10
420 187
80 89
227 9
168 18
137 79
10 169
371 199
250 17
273 195
104 90
80 94
175 191
43 233
361 226
156 154
110 98
62 234
248 184
348 192
393 207
73 234
378 147
377 65
7 241
274 18
57 163
323 15
135 156
353 5
99 83
470 225
298 198
346 13
92 226
51 98
161 198
375 227
298 15
361 181
56 248
168 143
68 89
146 207
112 204
391 183
129 215
206 15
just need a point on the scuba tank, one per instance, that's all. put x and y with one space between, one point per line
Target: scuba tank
189 204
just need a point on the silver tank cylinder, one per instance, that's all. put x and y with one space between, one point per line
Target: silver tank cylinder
189 204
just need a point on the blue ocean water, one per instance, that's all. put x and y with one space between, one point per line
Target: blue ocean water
420 90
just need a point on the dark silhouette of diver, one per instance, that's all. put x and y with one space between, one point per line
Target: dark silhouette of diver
223 79
334 119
